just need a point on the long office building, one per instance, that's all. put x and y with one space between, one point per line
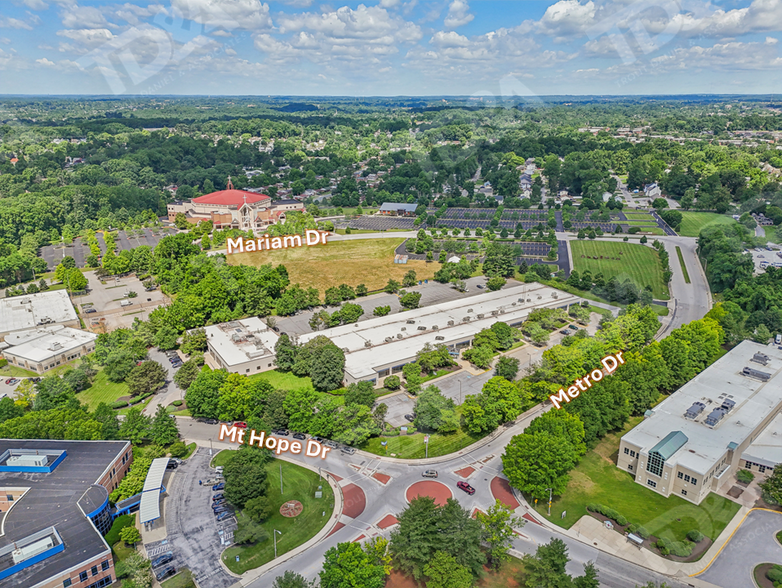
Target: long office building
55 508
34 310
378 347
725 419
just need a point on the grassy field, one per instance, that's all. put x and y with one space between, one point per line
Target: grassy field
11 371
284 381
693 222
184 579
684 266
638 215
639 263
102 391
588 295
299 484
650 229
366 261
221 458
412 446
597 480
771 234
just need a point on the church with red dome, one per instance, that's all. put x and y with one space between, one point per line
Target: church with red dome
236 209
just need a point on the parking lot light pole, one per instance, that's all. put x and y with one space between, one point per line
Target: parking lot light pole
549 501
275 542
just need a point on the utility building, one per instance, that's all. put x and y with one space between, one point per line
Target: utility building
725 419
241 347
34 310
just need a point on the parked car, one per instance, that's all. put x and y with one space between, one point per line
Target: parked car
565 331
217 487
480 286
163 559
466 487
211 421
430 474
165 573
329 443
218 509
13 381
217 503
299 436
224 515
317 439
89 310
572 327
240 424
282 432
348 450
218 497
172 465
409 417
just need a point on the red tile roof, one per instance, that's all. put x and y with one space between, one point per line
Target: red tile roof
231 197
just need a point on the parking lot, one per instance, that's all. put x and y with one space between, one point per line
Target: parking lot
106 298
764 255
379 223
194 535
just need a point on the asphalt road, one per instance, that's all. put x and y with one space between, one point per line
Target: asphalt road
382 500
753 543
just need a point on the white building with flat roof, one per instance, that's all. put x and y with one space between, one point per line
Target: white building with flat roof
694 441
378 347
44 348
33 310
244 347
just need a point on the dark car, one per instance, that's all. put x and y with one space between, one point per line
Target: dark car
282 432
316 438
211 421
163 559
217 487
409 417
165 573
220 508
217 497
480 286
217 503
466 487
565 331
299 436
172 465
89 310
224 515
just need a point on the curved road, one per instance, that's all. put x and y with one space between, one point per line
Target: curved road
374 488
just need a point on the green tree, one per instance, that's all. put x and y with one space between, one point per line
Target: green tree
130 535
409 280
546 569
10 410
107 417
413 379
410 300
772 485
495 283
119 364
292 580
164 430
589 579
444 572
498 526
180 220
246 475
136 426
259 508
285 351
146 377
348 565
392 382
507 367
166 338
203 395
187 374
432 409
391 287
360 393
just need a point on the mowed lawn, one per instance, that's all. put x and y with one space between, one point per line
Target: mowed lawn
102 390
597 480
693 222
413 447
284 381
363 261
639 215
298 484
639 263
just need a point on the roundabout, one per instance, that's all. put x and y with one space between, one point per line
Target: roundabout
436 490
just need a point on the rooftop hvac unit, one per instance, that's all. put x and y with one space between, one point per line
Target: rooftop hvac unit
435 327
757 374
521 300
421 328
389 339
513 304
466 319
450 323
715 416
495 312
410 322
539 296
399 335
469 310
403 329
27 460
439 338
502 312
694 410
29 551
728 404
761 358
367 343
554 295
480 316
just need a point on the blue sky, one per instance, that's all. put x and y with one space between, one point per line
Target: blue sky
390 47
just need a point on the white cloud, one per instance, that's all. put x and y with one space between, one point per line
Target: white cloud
568 17
5 40
36 4
458 14
368 23
226 14
389 3
45 62
13 23
83 17
449 39
134 14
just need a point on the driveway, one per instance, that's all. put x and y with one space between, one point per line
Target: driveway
753 543
193 532
171 392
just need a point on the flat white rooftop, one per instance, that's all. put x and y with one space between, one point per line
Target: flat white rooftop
754 400
37 345
397 338
237 342
767 448
31 310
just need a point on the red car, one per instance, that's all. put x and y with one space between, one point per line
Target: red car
240 424
466 487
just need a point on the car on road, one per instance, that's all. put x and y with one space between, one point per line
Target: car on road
409 417
429 474
240 424
211 421
163 559
466 487
348 450
224 515
299 436
217 487
281 432
217 497
165 573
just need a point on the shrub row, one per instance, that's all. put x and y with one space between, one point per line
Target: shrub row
677 548
608 513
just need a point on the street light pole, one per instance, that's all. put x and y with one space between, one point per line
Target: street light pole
549 501
275 542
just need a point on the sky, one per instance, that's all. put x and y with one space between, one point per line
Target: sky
481 48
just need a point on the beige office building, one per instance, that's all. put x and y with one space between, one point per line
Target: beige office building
241 347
